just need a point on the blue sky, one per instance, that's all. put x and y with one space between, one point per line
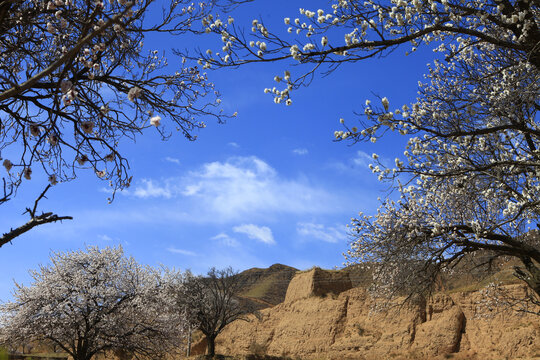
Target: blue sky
269 186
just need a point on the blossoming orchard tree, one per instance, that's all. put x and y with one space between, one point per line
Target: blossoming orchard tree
76 80
469 181
87 302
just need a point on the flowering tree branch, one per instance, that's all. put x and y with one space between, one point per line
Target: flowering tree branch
76 79
370 30
67 57
469 182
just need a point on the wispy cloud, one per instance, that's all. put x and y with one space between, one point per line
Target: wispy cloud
150 189
172 160
226 240
329 234
235 191
181 251
233 144
259 233
301 151
244 186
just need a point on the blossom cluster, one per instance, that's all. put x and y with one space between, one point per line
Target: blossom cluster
107 301
372 28
470 167
468 179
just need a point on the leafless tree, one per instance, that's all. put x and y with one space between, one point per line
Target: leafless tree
213 302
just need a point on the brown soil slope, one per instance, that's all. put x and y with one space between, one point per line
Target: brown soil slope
324 318
266 287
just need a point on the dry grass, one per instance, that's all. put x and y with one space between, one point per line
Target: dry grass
504 276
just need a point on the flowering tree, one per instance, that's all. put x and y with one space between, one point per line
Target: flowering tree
76 81
86 302
212 302
469 183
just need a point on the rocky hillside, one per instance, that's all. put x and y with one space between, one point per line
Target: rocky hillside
324 317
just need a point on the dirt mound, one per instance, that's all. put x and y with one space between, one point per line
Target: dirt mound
266 287
442 331
317 282
351 325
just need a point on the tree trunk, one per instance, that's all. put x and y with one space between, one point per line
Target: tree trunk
211 350
188 353
80 356
81 352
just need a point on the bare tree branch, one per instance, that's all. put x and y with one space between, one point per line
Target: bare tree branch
35 220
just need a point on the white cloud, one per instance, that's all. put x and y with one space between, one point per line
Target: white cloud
259 233
149 189
191 190
172 160
238 190
233 144
301 151
181 251
247 186
321 232
225 240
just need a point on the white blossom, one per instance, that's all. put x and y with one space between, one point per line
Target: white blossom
134 93
324 41
385 103
155 121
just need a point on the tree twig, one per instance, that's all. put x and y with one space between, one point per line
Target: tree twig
44 218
